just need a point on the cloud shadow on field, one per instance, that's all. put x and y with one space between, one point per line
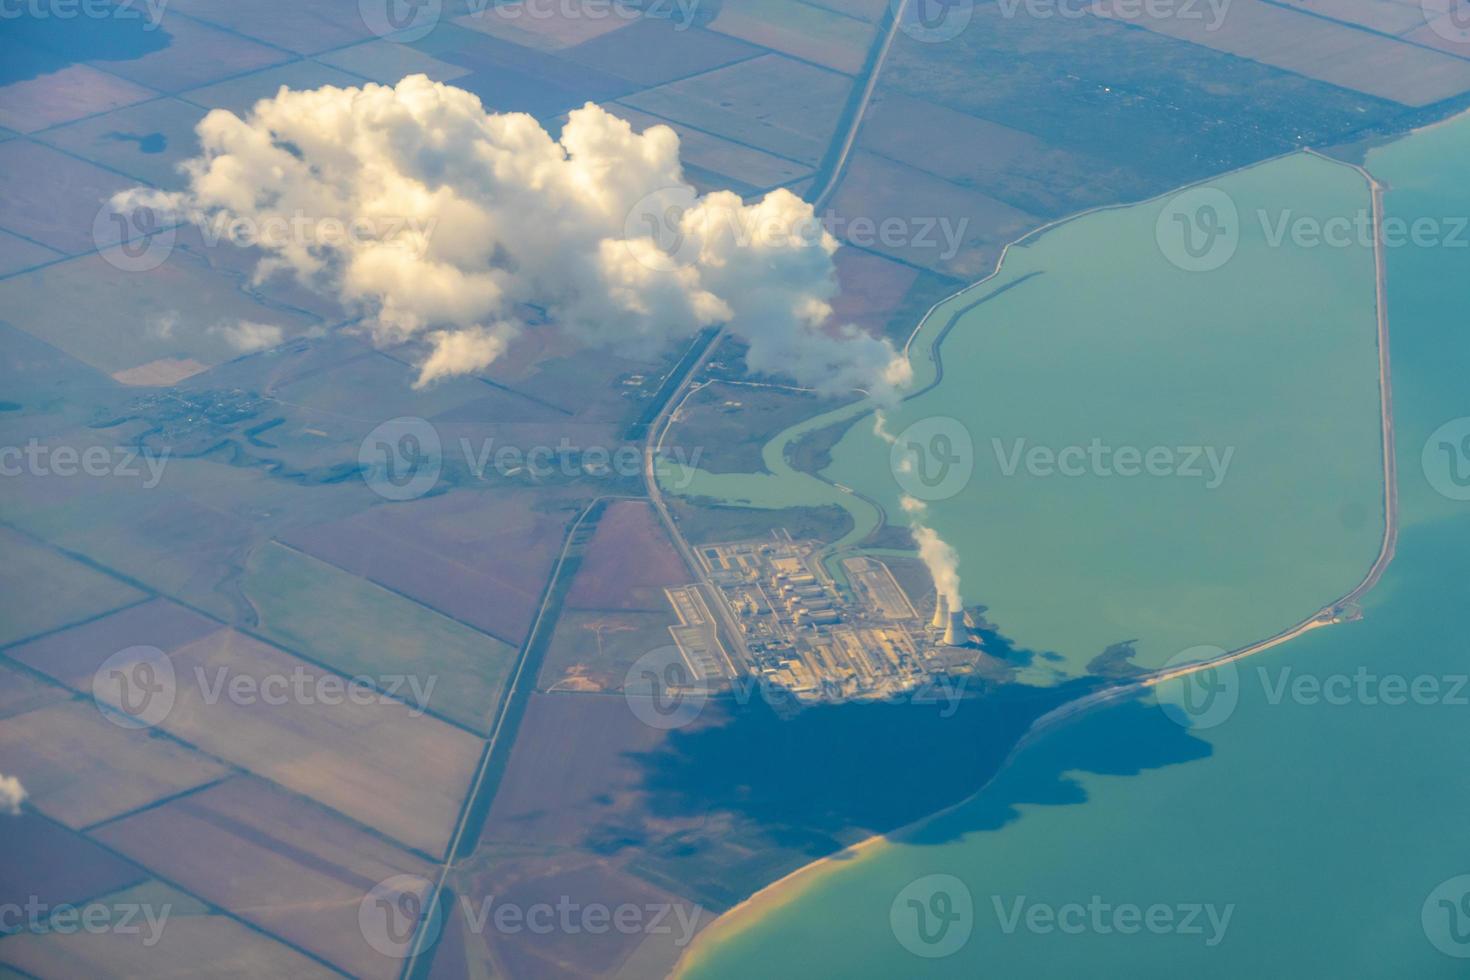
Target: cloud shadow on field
31 47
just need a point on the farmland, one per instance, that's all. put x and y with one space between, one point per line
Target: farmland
359 628
497 727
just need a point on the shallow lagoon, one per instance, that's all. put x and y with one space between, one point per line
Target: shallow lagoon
1247 396
1326 823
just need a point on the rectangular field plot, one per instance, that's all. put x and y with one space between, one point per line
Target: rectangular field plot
511 78
784 107
1005 163
799 29
146 142
945 228
713 163
589 743
653 52
47 863
869 10
378 763
872 289
481 557
115 320
593 651
339 619
547 29
239 95
58 201
41 590
33 102
301 27
185 537
22 691
1320 49
194 53
188 938
274 859
335 399
17 254
73 655
238 699
1384 16
387 61
580 952
628 563
80 769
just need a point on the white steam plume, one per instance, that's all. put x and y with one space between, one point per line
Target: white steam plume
461 228
12 795
937 555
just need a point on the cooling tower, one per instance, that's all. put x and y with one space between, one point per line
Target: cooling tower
940 619
954 632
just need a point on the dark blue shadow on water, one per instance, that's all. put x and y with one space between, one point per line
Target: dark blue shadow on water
1127 738
822 775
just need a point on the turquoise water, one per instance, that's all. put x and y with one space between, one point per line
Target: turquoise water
1257 379
1264 370
781 485
1324 824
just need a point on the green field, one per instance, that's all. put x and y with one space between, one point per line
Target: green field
41 590
357 628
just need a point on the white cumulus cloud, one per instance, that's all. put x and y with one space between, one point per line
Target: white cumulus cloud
247 336
460 228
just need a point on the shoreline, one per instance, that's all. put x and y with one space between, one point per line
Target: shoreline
750 912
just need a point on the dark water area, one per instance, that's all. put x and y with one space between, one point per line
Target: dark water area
814 778
1127 739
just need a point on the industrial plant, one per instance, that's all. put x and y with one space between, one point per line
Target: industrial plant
823 638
